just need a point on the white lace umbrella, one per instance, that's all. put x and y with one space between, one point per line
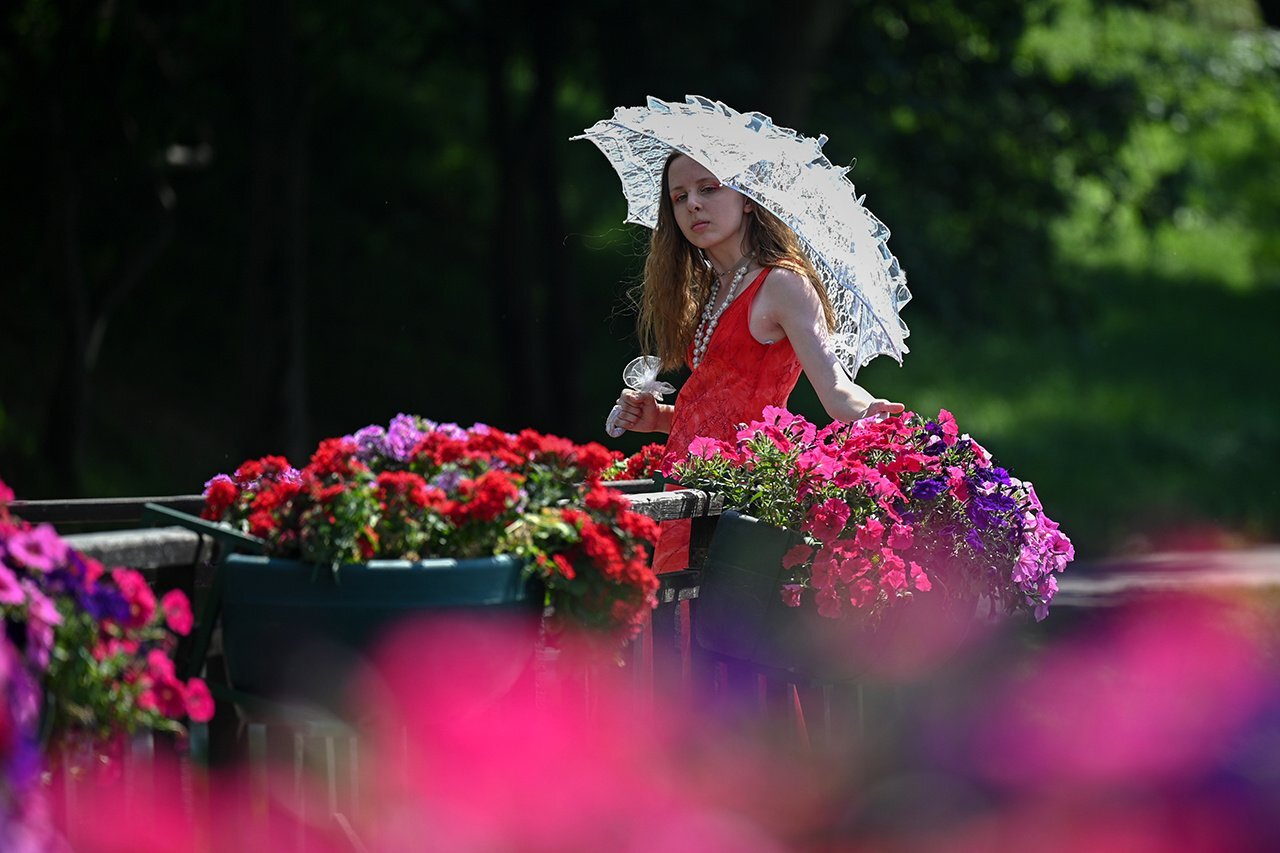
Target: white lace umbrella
791 177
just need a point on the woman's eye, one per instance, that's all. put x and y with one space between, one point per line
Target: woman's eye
680 197
709 189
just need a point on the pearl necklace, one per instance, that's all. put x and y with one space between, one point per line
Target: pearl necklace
711 312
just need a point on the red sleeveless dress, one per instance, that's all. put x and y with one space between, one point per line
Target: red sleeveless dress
737 378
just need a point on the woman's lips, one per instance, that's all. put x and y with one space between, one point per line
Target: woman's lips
699 226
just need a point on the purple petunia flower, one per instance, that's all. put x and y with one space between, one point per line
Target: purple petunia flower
22 699
42 615
402 436
61 581
218 478
928 488
370 442
450 430
447 481
105 602
994 504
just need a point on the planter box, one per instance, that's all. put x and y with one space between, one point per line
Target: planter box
299 631
741 615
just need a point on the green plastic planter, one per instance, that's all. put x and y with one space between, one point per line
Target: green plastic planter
741 615
297 630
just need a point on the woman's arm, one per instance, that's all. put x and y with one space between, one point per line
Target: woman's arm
791 304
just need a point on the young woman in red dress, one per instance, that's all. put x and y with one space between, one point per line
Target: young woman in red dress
729 292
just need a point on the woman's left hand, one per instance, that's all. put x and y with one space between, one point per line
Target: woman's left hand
881 406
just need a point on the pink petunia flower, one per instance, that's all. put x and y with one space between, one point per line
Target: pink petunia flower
703 447
950 432
901 537
797 556
199 701
829 604
824 568
166 696
919 579
177 612
39 607
137 593
10 590
870 534
791 594
826 521
861 592
39 548
159 665
817 463
894 573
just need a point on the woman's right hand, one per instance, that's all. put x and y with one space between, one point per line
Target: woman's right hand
641 412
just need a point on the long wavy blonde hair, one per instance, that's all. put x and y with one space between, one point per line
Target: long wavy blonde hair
677 277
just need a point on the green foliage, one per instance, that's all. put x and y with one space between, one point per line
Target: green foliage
1188 193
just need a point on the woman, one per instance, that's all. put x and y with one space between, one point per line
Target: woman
728 291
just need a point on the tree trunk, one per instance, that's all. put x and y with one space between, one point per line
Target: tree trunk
522 378
804 48
563 336
273 354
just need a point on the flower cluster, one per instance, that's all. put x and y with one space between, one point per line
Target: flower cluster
417 489
888 508
644 464
96 641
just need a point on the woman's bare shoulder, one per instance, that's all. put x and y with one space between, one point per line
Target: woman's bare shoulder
786 286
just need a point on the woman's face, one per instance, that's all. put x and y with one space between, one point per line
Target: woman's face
710 216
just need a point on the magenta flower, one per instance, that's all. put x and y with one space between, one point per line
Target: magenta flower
138 594
818 463
900 537
159 666
177 612
861 592
10 591
824 568
893 575
870 534
827 520
919 579
198 700
797 556
42 616
791 594
829 604
39 607
39 548
706 448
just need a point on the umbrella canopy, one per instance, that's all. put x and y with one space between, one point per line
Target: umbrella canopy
789 175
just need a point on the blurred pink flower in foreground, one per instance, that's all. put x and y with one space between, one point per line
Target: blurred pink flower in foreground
1156 694
523 774
456 754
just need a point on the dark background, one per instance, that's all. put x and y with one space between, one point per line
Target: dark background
236 228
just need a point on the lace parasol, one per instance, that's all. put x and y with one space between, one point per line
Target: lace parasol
788 174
